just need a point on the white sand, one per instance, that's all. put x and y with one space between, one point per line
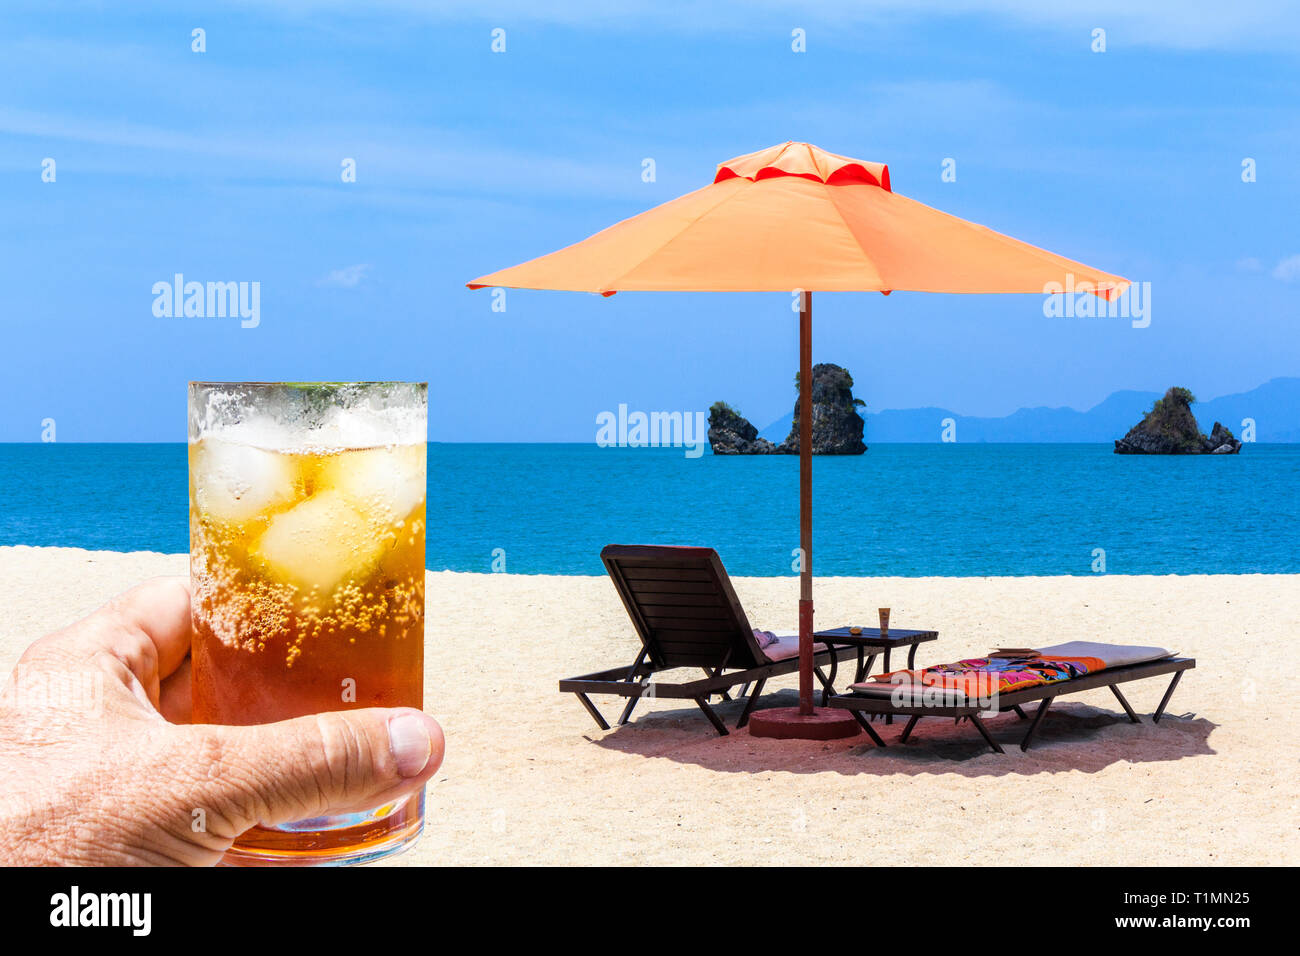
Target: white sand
530 779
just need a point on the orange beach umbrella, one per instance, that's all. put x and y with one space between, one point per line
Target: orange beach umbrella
789 218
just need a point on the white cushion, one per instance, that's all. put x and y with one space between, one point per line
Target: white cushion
1115 655
787 646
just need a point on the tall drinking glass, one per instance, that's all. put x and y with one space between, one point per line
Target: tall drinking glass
307 516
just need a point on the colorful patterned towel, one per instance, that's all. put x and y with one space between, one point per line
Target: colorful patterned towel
984 676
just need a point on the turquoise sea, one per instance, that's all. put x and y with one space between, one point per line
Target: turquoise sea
905 509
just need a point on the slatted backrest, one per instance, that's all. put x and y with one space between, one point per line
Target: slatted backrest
683 606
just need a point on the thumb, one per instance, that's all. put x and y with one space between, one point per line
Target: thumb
337 762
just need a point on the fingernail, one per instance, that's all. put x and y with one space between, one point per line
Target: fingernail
408 737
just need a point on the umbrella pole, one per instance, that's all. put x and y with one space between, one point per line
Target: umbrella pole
804 722
805 506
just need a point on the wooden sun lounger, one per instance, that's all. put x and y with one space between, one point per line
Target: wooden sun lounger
687 615
880 703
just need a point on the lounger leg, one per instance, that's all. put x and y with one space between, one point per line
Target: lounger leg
714 719
907 731
1165 700
749 704
1124 703
1033 724
708 673
979 725
591 709
627 710
866 725
1020 712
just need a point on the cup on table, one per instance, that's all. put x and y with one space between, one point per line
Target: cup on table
884 622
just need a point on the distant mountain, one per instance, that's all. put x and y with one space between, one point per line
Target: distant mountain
1275 407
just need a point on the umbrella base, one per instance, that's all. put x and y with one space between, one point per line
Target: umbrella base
786 723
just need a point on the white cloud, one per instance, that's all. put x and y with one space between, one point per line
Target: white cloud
393 156
1288 270
349 277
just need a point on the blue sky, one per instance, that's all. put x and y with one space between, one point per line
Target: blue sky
225 166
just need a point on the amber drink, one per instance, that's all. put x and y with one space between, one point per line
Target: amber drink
307 516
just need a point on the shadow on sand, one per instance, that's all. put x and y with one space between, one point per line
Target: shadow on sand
1072 736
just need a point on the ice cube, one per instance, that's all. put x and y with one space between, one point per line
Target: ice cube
320 542
235 482
385 483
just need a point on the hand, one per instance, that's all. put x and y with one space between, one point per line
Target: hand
99 765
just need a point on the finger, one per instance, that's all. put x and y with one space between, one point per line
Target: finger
339 762
139 638
174 700
157 611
